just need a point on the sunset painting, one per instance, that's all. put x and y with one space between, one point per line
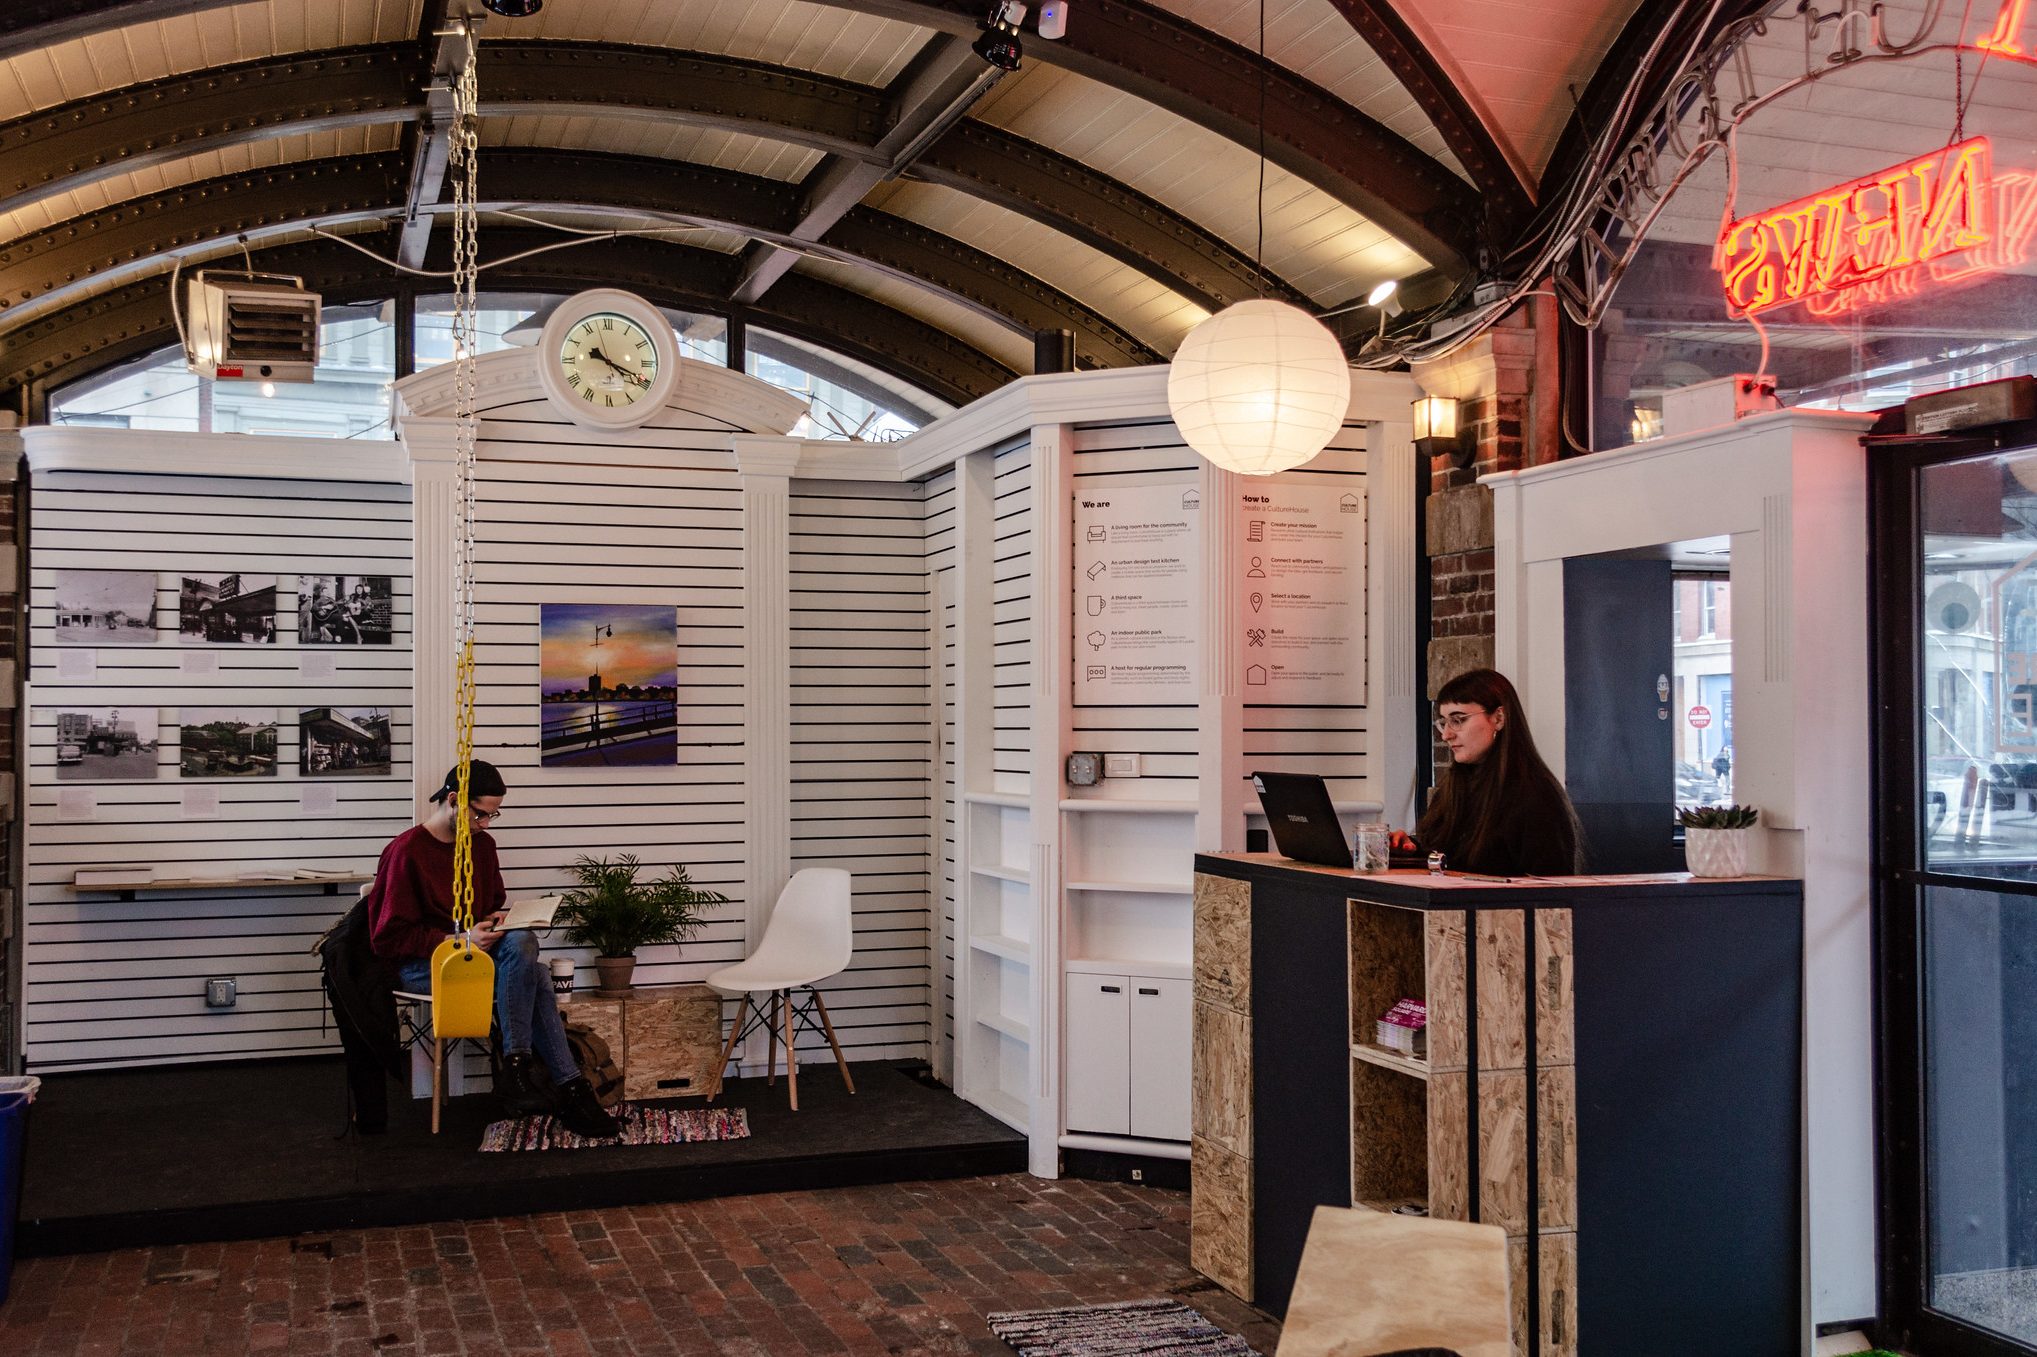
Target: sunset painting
607 684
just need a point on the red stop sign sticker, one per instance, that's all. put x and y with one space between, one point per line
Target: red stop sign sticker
1700 717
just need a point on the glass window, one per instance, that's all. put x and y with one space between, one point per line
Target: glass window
1702 689
348 396
845 398
505 320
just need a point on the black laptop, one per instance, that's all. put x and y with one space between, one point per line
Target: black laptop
1304 823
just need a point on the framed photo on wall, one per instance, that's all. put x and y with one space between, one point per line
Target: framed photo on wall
226 742
106 607
345 610
343 742
608 685
227 609
106 744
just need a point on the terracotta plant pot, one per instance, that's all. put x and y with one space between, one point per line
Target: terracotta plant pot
615 972
1716 852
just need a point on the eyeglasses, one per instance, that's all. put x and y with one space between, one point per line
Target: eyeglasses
1455 720
484 816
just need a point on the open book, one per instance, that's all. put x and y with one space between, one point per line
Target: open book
532 913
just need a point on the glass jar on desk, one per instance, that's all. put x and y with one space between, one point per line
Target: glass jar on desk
1369 848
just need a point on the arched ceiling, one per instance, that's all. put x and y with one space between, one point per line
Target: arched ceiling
847 172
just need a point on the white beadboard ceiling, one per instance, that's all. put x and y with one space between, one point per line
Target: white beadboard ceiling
736 151
1013 350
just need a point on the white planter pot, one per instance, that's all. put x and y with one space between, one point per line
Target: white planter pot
1716 852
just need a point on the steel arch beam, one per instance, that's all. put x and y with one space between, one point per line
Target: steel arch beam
127 322
54 266
94 139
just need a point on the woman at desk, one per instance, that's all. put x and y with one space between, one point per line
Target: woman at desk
1498 809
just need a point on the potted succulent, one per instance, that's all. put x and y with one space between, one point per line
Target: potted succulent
1715 838
615 914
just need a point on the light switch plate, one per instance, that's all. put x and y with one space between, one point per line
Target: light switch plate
1120 765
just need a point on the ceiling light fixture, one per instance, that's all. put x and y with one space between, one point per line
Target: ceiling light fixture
513 9
1261 386
999 44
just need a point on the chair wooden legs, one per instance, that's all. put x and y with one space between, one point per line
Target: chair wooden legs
771 1027
438 1080
729 1048
829 1028
791 1057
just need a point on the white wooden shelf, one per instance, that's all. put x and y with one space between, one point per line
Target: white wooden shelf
1008 800
998 945
1015 1028
1015 874
1389 1059
1142 967
329 883
1089 804
1135 887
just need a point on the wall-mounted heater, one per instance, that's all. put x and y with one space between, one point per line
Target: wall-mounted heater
258 327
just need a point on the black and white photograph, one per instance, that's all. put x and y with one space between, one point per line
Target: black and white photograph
226 742
106 744
344 610
106 607
343 742
227 609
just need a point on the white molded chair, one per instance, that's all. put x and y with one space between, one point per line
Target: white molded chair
809 938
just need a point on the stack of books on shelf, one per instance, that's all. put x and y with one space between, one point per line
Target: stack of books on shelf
1405 1028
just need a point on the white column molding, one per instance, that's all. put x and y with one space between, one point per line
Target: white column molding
1053 448
767 696
975 757
432 446
1394 705
1220 668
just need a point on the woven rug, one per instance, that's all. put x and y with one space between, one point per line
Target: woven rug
1134 1328
640 1126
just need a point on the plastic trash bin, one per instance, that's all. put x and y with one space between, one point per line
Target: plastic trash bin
16 1093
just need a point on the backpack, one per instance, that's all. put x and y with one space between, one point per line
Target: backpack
597 1062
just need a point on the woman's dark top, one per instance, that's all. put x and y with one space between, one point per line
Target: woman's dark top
1533 835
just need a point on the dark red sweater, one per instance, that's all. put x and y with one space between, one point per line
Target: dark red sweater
413 907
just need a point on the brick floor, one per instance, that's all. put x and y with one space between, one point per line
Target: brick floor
906 1269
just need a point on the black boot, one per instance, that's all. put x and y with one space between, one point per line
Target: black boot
524 1084
583 1113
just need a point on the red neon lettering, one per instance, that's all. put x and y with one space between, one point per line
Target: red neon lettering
2008 23
1821 248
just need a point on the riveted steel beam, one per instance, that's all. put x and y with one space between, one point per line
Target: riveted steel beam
125 323
428 142
65 147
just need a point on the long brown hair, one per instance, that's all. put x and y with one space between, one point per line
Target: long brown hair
1465 812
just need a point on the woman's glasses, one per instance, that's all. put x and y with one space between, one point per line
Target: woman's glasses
1455 721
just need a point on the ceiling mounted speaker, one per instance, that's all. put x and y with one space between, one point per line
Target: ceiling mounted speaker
1953 606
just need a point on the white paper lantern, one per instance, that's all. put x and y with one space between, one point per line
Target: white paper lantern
1259 387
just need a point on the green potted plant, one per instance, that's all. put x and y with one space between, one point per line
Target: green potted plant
615 913
1715 838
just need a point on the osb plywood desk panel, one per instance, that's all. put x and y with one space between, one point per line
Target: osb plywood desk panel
1373 1283
666 1038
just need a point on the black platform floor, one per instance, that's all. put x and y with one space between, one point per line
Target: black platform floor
189 1153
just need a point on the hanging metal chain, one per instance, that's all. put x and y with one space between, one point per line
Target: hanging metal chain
465 165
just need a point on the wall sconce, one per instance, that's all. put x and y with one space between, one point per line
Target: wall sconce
1436 432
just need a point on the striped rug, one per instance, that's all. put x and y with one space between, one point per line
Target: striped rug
640 1126
1133 1328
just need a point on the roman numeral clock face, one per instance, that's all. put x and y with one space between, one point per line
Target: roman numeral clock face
608 362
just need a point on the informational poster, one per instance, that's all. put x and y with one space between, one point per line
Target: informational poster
1303 624
1135 550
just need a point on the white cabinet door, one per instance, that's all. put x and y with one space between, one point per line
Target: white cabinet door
1099 1055
1161 1017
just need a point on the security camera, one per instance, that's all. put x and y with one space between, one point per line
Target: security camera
1054 19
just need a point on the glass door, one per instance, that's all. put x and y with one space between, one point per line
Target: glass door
1956 619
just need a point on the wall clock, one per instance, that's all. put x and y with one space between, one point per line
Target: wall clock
607 359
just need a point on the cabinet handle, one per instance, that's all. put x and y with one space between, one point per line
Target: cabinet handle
1144 990
1112 989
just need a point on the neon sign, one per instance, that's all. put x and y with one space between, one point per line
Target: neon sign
2007 24
1922 223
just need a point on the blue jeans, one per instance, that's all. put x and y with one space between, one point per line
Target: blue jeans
524 1007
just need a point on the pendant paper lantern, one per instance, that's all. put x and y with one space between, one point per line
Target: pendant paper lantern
1259 387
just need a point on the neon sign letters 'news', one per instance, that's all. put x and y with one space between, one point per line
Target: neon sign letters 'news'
1928 221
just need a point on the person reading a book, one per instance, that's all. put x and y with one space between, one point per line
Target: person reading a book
411 913
1498 809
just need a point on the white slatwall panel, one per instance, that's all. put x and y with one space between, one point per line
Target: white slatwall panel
1012 610
863 745
939 521
112 982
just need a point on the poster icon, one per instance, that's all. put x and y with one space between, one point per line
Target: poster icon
1255 636
1097 532
1258 602
1096 640
1095 671
1258 570
1096 605
1255 675
1192 500
1255 531
1348 505
1096 569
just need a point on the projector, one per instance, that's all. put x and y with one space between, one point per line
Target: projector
257 327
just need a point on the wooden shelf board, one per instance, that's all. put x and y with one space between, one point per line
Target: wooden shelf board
1134 887
997 944
1131 807
1015 1028
1387 1058
329 884
1386 1204
1018 875
1008 800
1146 968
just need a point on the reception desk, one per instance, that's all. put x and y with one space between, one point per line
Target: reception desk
1613 1076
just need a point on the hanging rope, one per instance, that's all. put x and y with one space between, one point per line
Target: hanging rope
465 164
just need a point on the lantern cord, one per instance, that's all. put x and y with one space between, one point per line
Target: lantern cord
1259 248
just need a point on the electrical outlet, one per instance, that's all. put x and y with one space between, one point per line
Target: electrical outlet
1138 1175
1120 765
221 993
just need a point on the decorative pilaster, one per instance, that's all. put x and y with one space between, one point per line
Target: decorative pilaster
767 682
1053 627
1220 670
1391 469
432 445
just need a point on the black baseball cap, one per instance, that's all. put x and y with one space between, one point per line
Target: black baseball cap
482 780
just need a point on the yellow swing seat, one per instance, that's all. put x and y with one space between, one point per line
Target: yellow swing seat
462 990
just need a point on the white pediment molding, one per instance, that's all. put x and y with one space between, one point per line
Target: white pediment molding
508 376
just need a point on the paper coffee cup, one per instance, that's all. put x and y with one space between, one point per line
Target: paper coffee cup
562 975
